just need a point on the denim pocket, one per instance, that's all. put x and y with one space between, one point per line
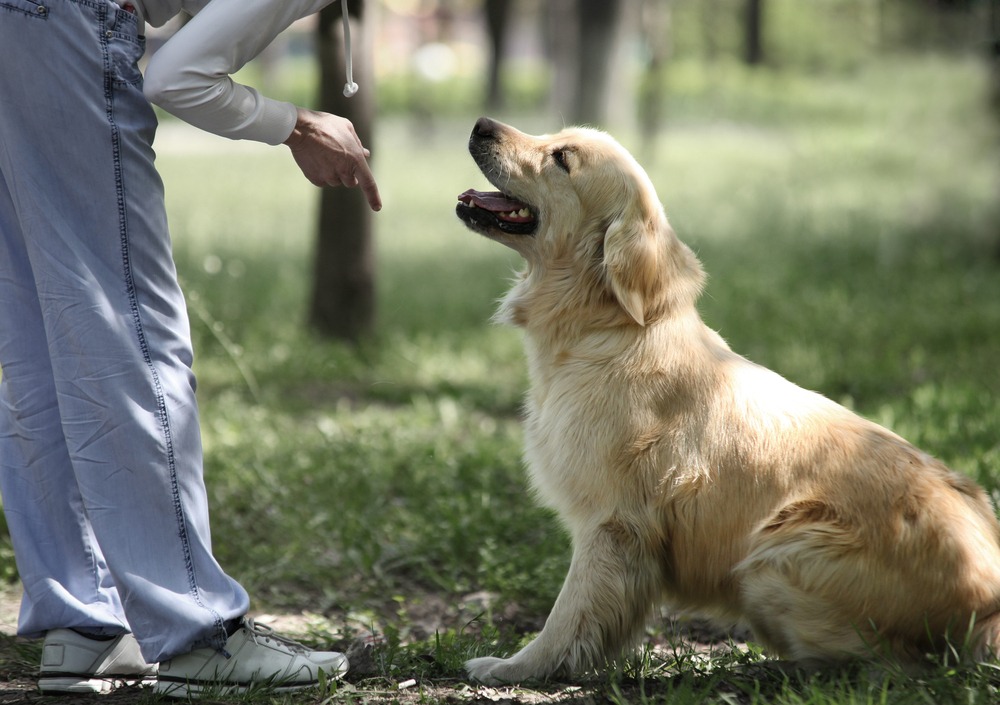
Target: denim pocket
124 55
125 45
27 7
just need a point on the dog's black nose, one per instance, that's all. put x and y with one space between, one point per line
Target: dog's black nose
485 128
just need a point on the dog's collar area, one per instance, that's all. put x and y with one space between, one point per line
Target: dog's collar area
497 209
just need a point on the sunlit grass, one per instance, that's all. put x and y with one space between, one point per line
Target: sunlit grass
849 226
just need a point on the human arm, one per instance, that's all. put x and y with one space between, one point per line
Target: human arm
190 76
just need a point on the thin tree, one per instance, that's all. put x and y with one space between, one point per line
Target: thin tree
497 20
753 27
598 31
342 304
655 29
582 38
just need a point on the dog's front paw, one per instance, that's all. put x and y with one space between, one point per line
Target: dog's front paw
494 671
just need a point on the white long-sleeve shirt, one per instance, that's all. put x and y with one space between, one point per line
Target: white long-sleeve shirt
190 75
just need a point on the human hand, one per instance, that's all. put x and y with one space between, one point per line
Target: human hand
329 153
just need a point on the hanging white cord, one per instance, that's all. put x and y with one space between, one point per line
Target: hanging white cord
350 88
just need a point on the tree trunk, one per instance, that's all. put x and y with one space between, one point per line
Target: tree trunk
560 28
497 20
754 32
655 26
343 294
598 31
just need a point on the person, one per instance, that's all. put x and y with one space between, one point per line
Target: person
100 448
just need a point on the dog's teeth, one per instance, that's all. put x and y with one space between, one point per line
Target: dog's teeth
522 214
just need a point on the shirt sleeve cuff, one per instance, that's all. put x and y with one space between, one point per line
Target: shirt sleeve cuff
276 123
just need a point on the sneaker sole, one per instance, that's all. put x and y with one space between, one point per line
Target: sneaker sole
76 684
188 689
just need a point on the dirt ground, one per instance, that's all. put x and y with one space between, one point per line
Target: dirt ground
18 666
18 683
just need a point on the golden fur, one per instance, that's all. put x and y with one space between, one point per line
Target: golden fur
684 472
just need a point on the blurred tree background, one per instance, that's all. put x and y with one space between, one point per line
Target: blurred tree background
623 65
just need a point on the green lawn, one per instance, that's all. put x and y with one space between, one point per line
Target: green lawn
849 225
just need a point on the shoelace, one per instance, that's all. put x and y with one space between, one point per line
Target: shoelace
268 634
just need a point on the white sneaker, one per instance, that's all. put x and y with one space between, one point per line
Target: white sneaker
255 658
74 663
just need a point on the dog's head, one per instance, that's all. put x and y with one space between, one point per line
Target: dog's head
586 219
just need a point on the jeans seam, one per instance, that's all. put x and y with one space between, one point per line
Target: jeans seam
133 301
39 14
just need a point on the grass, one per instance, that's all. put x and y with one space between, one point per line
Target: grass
849 225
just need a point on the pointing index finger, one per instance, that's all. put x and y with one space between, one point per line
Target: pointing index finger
366 181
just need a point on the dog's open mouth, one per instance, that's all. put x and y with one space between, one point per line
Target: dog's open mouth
495 210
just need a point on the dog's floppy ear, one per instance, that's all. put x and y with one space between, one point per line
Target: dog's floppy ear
634 252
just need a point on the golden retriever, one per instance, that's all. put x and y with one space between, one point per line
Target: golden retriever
684 472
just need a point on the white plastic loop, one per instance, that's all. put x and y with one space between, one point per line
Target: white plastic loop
350 88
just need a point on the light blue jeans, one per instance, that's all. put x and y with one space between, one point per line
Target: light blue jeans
100 447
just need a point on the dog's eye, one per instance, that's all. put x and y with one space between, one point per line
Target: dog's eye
559 156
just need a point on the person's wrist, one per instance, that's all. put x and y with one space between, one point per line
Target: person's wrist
294 140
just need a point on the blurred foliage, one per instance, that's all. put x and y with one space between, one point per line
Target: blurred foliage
815 37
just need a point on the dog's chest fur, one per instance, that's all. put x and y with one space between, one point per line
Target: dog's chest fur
568 434
590 426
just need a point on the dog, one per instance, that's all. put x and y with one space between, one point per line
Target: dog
684 472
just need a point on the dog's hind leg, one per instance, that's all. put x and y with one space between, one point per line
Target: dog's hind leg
605 600
986 638
797 623
817 589
795 586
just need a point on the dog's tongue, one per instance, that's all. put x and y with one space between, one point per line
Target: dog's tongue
492 201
